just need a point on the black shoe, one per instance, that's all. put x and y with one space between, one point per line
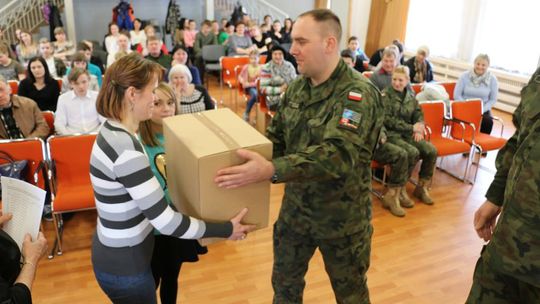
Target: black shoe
47 213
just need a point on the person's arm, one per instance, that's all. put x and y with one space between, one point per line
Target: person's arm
460 86
41 129
60 117
429 76
196 76
32 251
208 104
197 45
24 88
243 77
493 92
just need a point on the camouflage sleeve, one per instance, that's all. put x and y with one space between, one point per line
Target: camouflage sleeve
345 147
274 132
418 115
392 120
495 193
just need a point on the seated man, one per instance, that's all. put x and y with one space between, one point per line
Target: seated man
276 75
122 41
153 44
359 56
57 68
20 117
382 76
349 58
10 69
93 69
76 110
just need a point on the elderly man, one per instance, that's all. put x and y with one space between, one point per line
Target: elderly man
324 133
20 117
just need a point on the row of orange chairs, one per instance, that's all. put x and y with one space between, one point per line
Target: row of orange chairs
66 161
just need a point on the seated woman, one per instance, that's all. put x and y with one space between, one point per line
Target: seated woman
479 83
39 85
248 78
260 39
419 67
76 110
239 43
180 56
276 76
63 48
138 36
79 61
169 252
26 49
111 46
191 98
404 125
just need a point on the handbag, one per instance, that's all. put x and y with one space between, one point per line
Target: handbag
11 168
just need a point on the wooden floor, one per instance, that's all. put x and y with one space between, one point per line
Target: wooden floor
426 257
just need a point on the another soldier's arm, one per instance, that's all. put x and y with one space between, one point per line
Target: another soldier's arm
274 132
345 147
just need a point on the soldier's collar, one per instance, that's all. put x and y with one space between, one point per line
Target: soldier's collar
324 90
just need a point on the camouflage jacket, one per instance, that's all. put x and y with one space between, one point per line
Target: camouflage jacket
401 113
323 139
515 246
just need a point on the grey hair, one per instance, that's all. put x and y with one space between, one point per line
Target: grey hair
482 57
183 69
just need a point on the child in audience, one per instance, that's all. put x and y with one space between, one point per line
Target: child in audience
57 68
76 110
248 78
63 48
169 252
80 61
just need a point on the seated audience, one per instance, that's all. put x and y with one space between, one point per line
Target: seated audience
276 75
183 25
349 57
9 68
260 39
150 31
479 83
79 61
20 117
420 67
27 48
39 85
267 21
16 277
248 78
239 43
92 55
286 30
223 38
191 98
76 110
63 48
189 35
377 56
111 46
180 56
137 35
276 33
404 125
353 45
123 46
203 38
154 44
57 68
215 28
382 76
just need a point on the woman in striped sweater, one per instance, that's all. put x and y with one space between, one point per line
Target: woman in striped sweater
129 199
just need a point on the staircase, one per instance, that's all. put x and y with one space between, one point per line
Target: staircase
26 14
256 9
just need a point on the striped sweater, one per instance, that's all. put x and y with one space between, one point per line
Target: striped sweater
130 203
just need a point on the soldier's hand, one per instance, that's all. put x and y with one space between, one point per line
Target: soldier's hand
418 136
419 128
254 170
240 230
485 219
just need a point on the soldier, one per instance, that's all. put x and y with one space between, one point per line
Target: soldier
508 270
404 123
324 133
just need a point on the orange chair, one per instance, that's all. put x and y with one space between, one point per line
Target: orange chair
449 86
228 64
262 59
14 85
435 121
32 150
69 177
417 87
49 118
367 74
467 118
366 64
59 80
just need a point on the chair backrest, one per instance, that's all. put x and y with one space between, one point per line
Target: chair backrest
14 84
30 149
261 98
228 64
49 118
367 74
237 71
434 116
70 156
449 86
417 87
212 53
262 59
59 80
469 111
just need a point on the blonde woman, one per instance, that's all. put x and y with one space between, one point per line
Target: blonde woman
27 48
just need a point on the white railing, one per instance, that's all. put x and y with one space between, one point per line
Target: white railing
25 14
256 9
510 84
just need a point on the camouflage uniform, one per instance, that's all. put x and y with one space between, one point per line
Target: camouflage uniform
401 113
323 139
508 270
394 156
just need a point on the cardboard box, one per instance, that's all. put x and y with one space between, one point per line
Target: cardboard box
197 146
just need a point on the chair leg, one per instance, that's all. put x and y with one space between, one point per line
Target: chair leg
59 225
478 163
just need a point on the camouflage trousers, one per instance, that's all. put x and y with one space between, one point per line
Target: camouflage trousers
396 158
423 150
346 261
493 287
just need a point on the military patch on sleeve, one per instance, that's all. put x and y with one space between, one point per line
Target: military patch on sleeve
350 119
355 96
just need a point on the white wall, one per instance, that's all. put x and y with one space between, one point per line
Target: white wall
360 20
294 7
341 9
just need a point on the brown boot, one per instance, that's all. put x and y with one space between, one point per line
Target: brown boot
404 199
422 193
391 201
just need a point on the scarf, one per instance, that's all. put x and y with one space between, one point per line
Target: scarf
420 71
478 80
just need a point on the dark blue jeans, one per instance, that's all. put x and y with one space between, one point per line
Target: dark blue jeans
252 92
134 289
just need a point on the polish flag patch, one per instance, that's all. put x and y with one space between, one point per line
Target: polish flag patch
355 96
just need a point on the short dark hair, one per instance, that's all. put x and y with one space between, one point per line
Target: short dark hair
81 46
75 73
352 38
348 54
328 17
